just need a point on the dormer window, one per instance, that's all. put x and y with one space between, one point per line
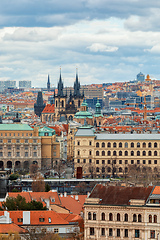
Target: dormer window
53 200
41 219
49 220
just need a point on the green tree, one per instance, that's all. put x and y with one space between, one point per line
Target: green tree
47 188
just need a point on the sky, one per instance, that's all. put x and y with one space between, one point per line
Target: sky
106 40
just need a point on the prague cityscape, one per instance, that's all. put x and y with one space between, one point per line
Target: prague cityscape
79 120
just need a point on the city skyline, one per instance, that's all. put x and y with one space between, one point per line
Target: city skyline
108 41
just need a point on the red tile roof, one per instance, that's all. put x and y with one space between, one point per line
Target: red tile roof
49 108
11 227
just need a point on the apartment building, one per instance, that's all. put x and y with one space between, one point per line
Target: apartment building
114 212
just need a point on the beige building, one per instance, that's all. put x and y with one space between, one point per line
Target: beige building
104 154
122 213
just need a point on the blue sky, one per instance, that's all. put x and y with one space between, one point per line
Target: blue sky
107 40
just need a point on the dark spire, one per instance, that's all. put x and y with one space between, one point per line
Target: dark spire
60 86
77 86
48 84
39 105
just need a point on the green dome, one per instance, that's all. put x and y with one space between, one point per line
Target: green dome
83 114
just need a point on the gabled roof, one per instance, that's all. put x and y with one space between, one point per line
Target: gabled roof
11 227
75 206
116 195
49 109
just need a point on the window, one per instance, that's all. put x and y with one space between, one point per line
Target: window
78 153
103 153
134 218
144 144
118 217
120 161
110 232
138 161
109 144
1 141
126 232
17 147
78 143
90 153
89 216
94 216
152 233
103 161
9 140
144 161
17 154
41 219
97 161
90 160
78 160
91 231
103 216
126 145
120 153
34 154
137 233
97 153
149 161
49 220
84 160
138 145
132 144
110 217
149 153
118 232
109 153
20 219
109 169
120 144
103 231
155 153
103 144
126 217
120 169
155 144
149 144
155 218
109 162
126 153
114 153
132 161
35 147
138 153
97 144
34 141
97 169
56 230
9 147
150 218
114 145
26 140
17 141
9 154
139 218
126 161
144 153
1 154
132 153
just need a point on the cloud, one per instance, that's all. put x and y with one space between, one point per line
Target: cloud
99 47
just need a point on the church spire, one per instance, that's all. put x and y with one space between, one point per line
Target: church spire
77 86
48 84
60 86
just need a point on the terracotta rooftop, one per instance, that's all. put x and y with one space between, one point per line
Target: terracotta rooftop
11 227
116 195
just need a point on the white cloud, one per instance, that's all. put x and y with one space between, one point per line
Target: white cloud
99 47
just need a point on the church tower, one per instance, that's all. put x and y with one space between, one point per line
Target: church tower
48 84
39 105
78 96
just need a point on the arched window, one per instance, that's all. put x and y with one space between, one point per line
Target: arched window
114 153
78 153
155 144
144 144
108 169
144 153
126 145
62 103
132 144
149 144
149 153
110 217
138 145
120 153
103 216
109 144
139 218
103 153
109 153
118 217
150 218
97 169
155 218
132 153
138 153
97 153
134 218
114 144
126 153
90 152
103 144
56 103
94 216
89 216
126 217
155 153
120 169
120 144
97 144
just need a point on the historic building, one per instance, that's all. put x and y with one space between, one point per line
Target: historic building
39 105
114 212
107 153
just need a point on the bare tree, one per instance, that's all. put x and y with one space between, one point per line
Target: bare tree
38 184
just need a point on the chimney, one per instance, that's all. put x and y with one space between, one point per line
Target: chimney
65 194
76 197
26 218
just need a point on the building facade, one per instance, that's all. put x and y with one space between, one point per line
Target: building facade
25 84
108 153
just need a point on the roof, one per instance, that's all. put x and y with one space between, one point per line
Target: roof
116 195
15 127
85 131
127 136
11 227
49 109
156 190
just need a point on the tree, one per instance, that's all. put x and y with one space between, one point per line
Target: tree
38 184
47 188
33 170
10 236
59 167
